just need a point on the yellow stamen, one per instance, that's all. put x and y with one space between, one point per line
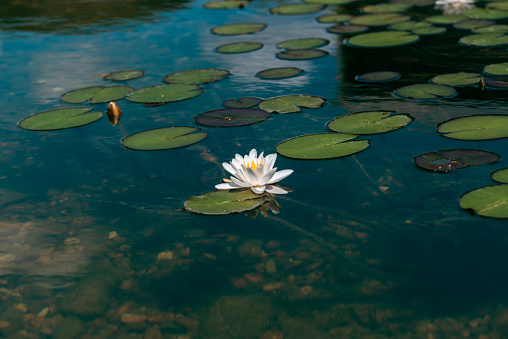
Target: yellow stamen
253 164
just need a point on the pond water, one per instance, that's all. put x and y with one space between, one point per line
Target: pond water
94 240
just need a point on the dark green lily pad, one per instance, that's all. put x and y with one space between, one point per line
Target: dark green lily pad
371 122
431 30
163 138
484 40
485 13
228 4
243 102
451 159
329 2
291 103
375 77
279 73
425 91
386 8
237 29
333 18
231 117
498 5
476 127
457 79
239 47
224 202
304 43
111 93
60 118
321 146
301 54
376 20
473 24
446 19
164 93
130 74
197 76
409 25
77 96
497 82
490 201
383 39
500 29
347 29
500 175
294 9
496 69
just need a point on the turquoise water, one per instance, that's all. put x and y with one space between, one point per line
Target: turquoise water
94 242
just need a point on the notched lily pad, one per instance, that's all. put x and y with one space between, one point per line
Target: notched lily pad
475 127
490 201
224 202
130 74
231 117
291 103
377 20
321 146
80 95
303 43
60 118
279 73
347 29
301 54
500 175
333 18
452 159
197 76
425 91
228 4
239 47
383 39
237 29
297 8
111 93
457 79
163 138
164 93
496 69
371 122
446 19
243 102
375 77
484 40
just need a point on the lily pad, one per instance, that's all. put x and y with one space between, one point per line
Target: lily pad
243 102
197 76
164 93
347 29
163 138
304 43
333 18
299 8
375 77
491 29
457 79
80 95
500 175
452 159
291 103
386 8
431 30
383 39
321 146
130 74
111 94
301 54
425 91
484 40
371 122
228 4
224 202
237 29
329 2
231 117
476 127
485 13
473 24
279 73
496 69
409 25
490 201
60 118
498 5
377 20
497 82
446 19
239 47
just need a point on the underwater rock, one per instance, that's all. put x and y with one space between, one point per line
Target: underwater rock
270 266
90 297
250 249
271 334
130 318
69 328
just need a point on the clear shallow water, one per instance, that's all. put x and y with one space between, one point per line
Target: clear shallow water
365 246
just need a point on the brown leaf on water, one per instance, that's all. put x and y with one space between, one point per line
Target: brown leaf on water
114 113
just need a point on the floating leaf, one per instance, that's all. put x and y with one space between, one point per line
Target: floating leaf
301 54
475 127
497 82
293 9
383 76
231 117
498 5
496 69
452 159
383 39
409 25
473 24
491 29
237 29
291 103
224 202
163 138
371 122
378 19
347 29
197 76
60 118
425 91
114 113
228 4
386 8
239 47
279 73
244 102
485 13
457 79
329 2
164 93
80 95
304 43
431 30
321 146
130 74
500 175
446 19
490 201
485 40
111 94
333 18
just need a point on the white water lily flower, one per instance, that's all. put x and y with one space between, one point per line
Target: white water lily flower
255 172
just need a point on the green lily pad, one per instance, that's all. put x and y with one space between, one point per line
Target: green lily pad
475 127
496 69
237 29
377 20
304 43
294 9
375 77
333 18
383 39
457 79
163 138
500 29
329 2
231 117
80 95
291 103
224 202
164 93
243 102
347 29
425 91
500 175
446 19
111 93
490 201
371 122
409 25
301 54
484 40
498 5
279 73
451 159
60 118
130 74
386 8
473 24
228 4
321 146
239 47
485 13
197 76
431 30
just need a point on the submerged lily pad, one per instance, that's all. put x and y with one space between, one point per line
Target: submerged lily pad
77 96
457 79
197 76
485 40
163 138
164 93
279 73
130 74
386 8
237 29
475 127
291 103
243 102
111 94
227 4
371 122
303 43
383 76
496 69
378 19
452 159
425 91
490 201
500 175
301 54
231 117
383 39
321 146
333 18
347 29
224 202
239 47
485 13
446 19
297 8
60 118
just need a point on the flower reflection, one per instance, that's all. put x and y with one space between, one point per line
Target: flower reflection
453 7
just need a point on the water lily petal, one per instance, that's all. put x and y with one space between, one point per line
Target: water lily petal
238 158
268 175
270 160
278 176
227 186
275 189
258 189
229 168
239 182
253 154
238 170
251 176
